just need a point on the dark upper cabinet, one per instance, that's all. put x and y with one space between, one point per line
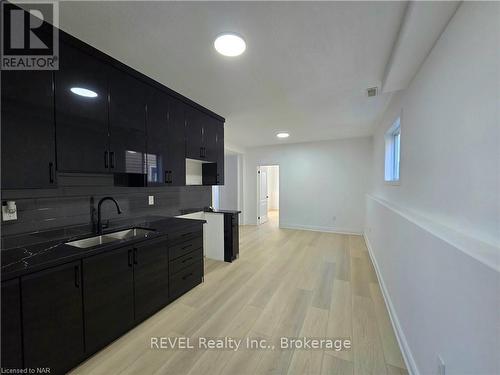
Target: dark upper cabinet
127 123
177 142
158 146
210 132
108 294
12 350
220 153
213 172
166 164
202 131
150 277
194 134
28 131
52 318
81 93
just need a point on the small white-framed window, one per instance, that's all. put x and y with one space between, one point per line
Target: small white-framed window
392 152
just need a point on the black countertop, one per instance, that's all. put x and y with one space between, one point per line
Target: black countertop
231 212
25 254
206 209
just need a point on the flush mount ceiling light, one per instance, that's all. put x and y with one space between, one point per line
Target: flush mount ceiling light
282 135
229 44
83 92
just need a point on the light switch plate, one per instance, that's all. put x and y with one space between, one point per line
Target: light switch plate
9 211
151 200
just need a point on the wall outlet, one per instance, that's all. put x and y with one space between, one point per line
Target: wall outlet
441 366
9 210
151 200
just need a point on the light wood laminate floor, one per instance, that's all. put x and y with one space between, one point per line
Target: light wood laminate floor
286 283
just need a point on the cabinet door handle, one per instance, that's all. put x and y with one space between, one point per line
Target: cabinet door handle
187 247
130 258
166 177
169 177
77 276
186 276
51 172
106 159
135 256
185 260
112 157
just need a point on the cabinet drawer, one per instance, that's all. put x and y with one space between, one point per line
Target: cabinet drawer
184 261
183 248
185 234
185 280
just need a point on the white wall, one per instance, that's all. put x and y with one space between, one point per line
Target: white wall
229 192
435 237
318 181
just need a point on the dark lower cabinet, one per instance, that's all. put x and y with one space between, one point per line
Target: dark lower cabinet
28 130
186 279
12 350
185 257
108 293
55 318
231 236
52 318
150 277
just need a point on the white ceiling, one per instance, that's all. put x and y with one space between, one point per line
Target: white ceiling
305 69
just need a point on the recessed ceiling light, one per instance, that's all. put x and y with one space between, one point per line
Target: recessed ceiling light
283 135
83 92
229 44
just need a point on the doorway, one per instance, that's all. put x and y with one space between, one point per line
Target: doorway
268 194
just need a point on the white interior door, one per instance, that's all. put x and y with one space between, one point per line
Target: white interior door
263 196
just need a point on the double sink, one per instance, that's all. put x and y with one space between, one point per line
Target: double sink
126 234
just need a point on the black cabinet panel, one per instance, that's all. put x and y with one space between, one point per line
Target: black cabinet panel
12 350
81 120
194 134
150 278
210 132
166 141
187 279
177 142
231 237
220 153
28 131
185 247
127 123
157 137
186 260
52 318
108 293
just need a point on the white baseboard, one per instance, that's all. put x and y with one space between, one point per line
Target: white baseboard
321 229
400 336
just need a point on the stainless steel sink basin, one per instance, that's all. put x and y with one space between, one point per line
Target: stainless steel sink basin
127 234
130 233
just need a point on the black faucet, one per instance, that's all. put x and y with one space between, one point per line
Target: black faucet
99 224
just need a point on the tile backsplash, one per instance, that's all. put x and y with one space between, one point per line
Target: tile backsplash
72 201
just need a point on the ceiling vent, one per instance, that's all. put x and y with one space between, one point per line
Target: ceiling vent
372 91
